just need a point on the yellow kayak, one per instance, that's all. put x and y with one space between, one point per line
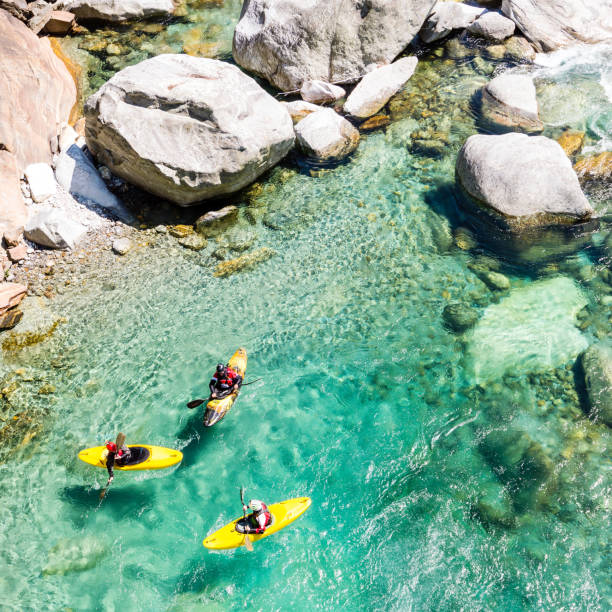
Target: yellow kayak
216 409
144 457
283 513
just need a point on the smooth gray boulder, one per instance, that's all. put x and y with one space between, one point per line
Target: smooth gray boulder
118 10
492 26
509 102
289 42
77 175
597 367
186 128
320 92
527 180
377 87
326 135
552 24
446 17
51 228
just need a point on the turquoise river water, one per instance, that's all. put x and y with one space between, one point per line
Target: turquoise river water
446 471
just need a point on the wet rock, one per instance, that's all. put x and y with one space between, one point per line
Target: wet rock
429 147
495 280
121 246
459 316
532 329
244 262
39 324
595 167
455 49
330 40
481 65
519 49
374 123
378 86
597 367
193 242
527 181
509 102
52 228
9 319
446 17
41 181
494 507
495 52
77 175
299 109
326 135
321 92
571 142
47 389
211 147
464 239
10 295
492 26
215 221
552 24
111 10
74 555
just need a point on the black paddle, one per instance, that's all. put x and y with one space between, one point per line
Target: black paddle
198 402
247 540
119 442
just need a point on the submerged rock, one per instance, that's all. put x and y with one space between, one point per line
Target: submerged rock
220 130
377 87
533 329
459 316
494 506
597 367
244 262
74 555
519 49
571 141
121 246
115 10
193 242
509 102
492 26
326 135
288 43
446 17
216 220
527 181
595 167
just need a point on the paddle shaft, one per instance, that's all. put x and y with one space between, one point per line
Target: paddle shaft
247 540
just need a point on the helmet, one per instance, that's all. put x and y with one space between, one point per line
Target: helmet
256 505
220 367
111 446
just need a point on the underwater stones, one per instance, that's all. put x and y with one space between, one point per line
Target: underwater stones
9 319
509 102
464 239
331 40
374 123
378 86
121 246
217 220
52 228
532 329
495 280
10 295
595 167
446 17
494 507
244 262
193 242
527 181
571 141
519 49
299 109
326 135
320 92
180 231
492 26
459 316
597 367
114 10
74 555
211 146
552 24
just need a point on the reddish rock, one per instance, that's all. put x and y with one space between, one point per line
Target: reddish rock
9 319
13 236
17 253
10 295
13 211
59 22
375 122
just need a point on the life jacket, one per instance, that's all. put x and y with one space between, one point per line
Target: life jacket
228 379
255 515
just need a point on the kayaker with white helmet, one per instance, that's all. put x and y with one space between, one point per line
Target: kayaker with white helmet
259 519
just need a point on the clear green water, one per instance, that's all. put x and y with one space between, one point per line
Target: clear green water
429 492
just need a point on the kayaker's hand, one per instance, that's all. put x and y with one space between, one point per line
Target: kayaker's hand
244 508
110 480
213 395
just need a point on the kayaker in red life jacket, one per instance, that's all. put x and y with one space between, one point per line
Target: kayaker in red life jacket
259 519
224 381
116 456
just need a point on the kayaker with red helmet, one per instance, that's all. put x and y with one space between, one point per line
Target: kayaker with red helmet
116 456
259 519
224 382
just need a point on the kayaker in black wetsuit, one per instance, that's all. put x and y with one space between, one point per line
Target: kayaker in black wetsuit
224 382
116 456
259 519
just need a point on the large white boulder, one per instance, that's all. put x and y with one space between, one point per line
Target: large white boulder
492 26
290 41
186 128
118 10
51 228
509 101
77 175
41 181
326 135
446 17
528 180
552 24
377 87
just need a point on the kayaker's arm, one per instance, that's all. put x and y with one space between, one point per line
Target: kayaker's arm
110 462
212 386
